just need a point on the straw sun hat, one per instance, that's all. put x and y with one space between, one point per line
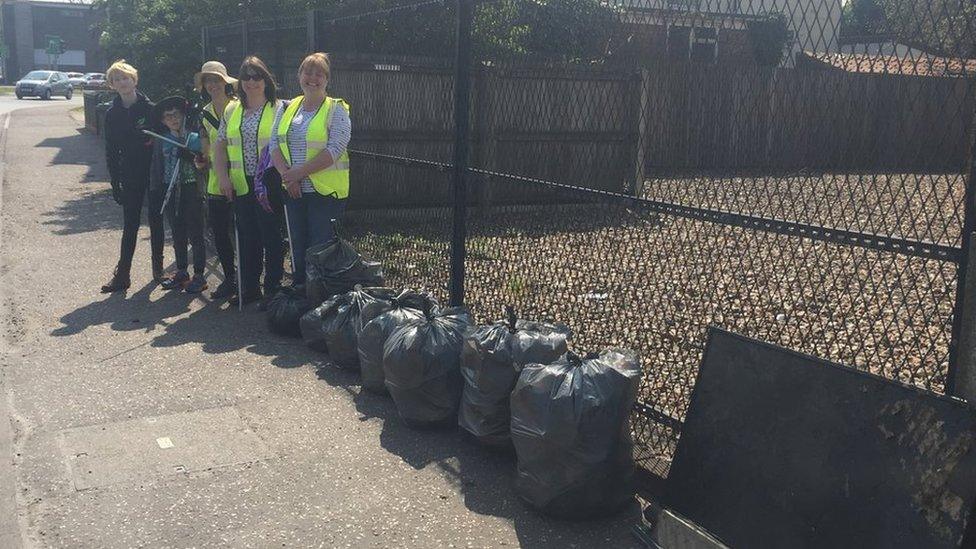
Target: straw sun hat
215 68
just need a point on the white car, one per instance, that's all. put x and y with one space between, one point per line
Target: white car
76 79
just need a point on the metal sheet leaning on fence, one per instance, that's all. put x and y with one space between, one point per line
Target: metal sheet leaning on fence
571 431
491 360
421 363
380 320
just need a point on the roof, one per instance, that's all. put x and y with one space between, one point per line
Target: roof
923 65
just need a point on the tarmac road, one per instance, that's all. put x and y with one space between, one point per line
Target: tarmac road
155 420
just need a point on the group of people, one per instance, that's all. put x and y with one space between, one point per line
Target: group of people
260 166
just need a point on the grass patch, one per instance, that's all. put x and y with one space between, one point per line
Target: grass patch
6 90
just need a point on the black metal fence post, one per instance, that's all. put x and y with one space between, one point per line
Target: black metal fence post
960 362
311 30
462 105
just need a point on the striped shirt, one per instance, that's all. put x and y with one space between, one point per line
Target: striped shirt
340 131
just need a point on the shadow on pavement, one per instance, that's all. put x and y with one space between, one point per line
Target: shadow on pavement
93 211
80 149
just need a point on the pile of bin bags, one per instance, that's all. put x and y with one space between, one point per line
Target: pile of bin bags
509 383
333 268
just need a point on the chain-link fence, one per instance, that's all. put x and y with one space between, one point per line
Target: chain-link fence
793 170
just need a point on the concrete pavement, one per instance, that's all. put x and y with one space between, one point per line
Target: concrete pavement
155 420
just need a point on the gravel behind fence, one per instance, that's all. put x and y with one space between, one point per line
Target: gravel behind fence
620 274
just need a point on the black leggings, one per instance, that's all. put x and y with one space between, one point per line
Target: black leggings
186 222
221 225
133 199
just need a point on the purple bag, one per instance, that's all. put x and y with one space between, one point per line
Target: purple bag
264 176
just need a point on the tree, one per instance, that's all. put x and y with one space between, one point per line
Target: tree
944 27
770 35
862 18
161 38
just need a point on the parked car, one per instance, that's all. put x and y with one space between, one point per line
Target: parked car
43 84
77 79
95 81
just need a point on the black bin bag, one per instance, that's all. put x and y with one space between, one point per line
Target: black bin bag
571 432
311 328
380 319
335 267
342 322
491 359
286 309
421 363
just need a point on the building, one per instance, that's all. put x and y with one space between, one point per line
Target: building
718 30
29 25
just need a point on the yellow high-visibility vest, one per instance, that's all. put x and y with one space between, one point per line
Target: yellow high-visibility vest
334 180
235 143
213 186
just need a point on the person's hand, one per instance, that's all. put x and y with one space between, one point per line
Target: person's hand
261 194
117 191
292 178
226 188
201 162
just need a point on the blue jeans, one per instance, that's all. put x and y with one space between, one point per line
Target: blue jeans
309 224
259 237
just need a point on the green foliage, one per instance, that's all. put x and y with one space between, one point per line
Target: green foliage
862 18
161 38
944 27
568 30
770 36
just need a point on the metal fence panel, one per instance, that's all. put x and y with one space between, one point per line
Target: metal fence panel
644 169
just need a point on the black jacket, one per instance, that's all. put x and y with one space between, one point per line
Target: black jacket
128 151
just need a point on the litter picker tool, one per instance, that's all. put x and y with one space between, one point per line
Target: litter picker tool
176 170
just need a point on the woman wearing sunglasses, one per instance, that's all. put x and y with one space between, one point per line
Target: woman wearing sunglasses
308 148
245 129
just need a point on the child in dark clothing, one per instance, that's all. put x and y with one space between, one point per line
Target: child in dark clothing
173 173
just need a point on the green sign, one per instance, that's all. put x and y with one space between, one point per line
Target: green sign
55 45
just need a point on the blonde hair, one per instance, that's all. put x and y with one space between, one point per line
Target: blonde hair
122 68
317 60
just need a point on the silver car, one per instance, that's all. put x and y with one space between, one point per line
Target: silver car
77 79
44 84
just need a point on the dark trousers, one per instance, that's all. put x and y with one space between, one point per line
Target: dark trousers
133 199
310 223
186 223
221 219
259 235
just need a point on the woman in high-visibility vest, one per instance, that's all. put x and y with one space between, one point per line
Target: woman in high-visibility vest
214 83
308 148
246 129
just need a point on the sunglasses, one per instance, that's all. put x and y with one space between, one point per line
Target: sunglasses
251 76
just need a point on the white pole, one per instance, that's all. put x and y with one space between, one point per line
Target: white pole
291 246
237 261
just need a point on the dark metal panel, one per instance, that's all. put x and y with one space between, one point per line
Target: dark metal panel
781 449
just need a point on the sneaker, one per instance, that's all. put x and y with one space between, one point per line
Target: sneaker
196 285
176 282
118 283
249 297
226 289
